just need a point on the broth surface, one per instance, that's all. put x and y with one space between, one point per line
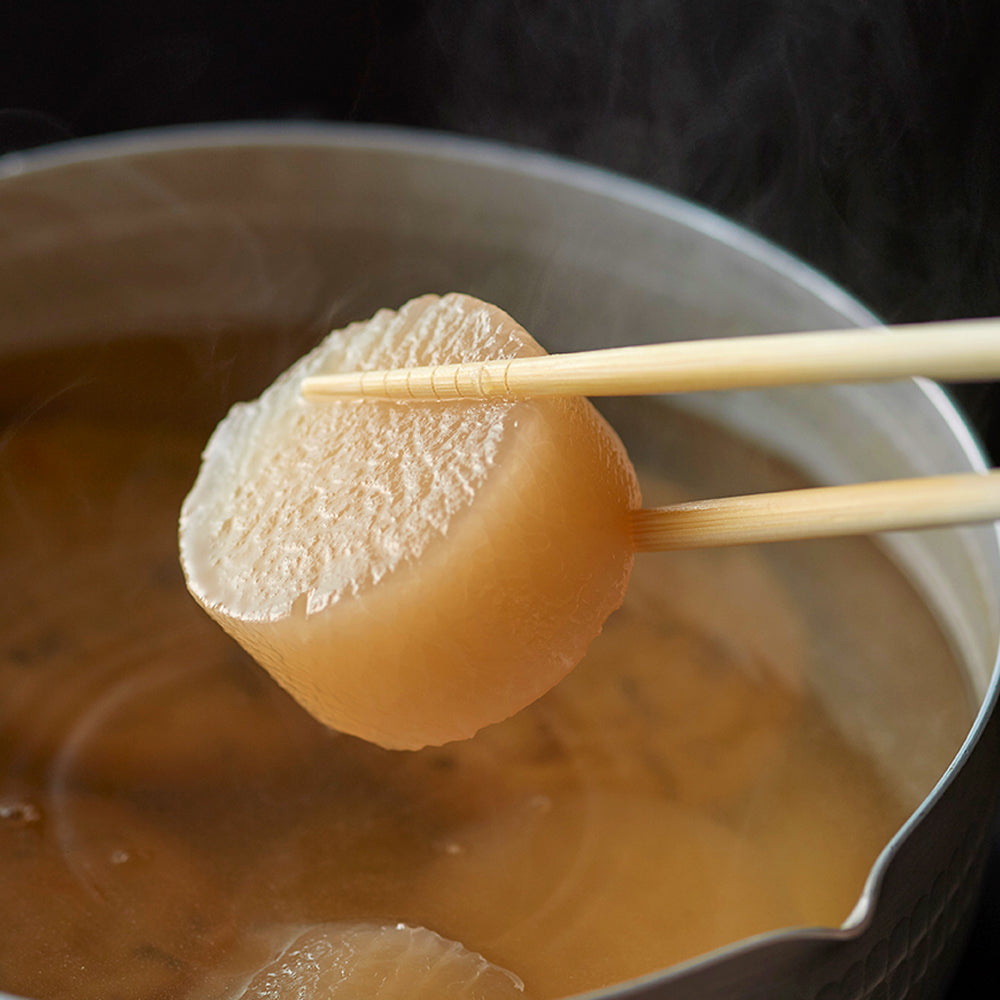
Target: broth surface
169 818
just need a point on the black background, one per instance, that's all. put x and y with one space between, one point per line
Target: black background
863 135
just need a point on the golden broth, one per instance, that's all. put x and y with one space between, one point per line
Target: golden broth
167 814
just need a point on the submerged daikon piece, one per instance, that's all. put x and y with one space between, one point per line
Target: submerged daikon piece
380 962
411 572
583 889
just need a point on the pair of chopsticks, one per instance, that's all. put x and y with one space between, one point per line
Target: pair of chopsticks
954 351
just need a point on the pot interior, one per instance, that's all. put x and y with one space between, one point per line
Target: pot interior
157 280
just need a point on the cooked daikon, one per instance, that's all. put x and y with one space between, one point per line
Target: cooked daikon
411 572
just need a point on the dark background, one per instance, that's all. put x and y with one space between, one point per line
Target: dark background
863 135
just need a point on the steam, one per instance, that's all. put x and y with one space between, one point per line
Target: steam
862 136
841 129
21 128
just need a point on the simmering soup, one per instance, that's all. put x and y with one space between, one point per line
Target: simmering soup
170 821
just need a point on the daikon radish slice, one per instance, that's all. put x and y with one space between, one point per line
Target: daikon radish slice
380 962
409 571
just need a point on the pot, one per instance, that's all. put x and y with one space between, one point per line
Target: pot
310 226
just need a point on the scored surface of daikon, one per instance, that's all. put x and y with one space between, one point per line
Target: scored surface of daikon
411 572
380 962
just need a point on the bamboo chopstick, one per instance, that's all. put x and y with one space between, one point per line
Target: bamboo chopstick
820 512
955 350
